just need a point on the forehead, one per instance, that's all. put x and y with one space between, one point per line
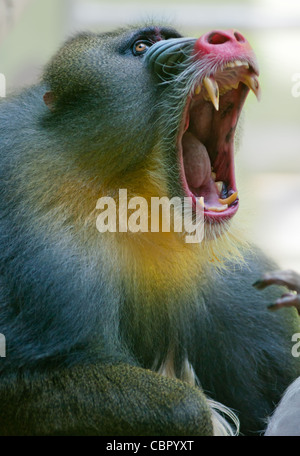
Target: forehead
156 32
126 37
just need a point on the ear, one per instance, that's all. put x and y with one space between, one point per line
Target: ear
49 100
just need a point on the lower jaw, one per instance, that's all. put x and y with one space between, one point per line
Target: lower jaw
215 217
216 224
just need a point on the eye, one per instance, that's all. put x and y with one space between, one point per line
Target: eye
140 47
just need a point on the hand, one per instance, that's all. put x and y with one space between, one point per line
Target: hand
288 278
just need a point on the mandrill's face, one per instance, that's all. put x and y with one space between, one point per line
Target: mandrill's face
167 105
210 77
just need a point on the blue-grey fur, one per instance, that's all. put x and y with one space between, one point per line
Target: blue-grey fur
61 304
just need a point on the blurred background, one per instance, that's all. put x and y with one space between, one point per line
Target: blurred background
268 161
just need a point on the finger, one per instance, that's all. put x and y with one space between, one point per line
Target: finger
286 278
286 301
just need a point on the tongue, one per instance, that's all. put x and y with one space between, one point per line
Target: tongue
197 167
196 161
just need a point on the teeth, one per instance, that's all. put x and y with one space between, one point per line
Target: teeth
201 201
229 200
252 82
224 89
219 186
217 208
212 208
237 63
213 91
213 176
240 63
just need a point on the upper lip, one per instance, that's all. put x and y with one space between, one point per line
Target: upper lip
207 133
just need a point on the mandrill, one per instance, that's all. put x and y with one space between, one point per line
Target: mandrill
133 332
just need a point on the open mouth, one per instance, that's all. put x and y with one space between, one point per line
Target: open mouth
206 138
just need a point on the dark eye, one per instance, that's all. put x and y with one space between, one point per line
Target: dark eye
140 47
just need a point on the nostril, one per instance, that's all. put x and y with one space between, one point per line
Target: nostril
239 37
228 43
217 38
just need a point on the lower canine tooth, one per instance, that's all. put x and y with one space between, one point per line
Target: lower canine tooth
213 91
229 200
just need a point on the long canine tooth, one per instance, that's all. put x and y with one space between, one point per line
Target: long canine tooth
252 82
229 200
213 91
